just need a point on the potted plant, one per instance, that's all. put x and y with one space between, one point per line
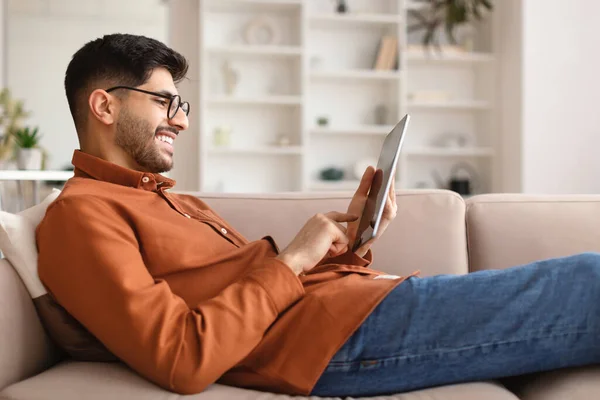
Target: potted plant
12 113
432 15
29 154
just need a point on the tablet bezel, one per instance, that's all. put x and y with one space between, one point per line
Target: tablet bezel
370 219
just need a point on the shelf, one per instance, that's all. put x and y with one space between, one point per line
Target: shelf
335 185
253 5
366 74
354 19
322 65
260 151
449 58
258 100
450 105
247 50
348 184
413 5
450 152
16 175
379 130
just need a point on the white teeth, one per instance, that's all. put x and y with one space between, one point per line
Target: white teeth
165 139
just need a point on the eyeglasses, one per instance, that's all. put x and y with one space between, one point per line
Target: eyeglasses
175 102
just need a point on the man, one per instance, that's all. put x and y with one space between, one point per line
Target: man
179 295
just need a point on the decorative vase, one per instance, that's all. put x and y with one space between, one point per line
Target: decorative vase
29 159
231 78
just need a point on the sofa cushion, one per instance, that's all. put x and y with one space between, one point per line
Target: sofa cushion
18 244
505 230
91 381
571 383
25 349
428 233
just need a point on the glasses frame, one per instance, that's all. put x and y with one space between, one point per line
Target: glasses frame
162 95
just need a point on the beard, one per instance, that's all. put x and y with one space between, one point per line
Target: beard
137 138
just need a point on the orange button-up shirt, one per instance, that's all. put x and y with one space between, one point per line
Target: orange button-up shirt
181 297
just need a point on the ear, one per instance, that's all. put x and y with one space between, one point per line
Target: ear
103 106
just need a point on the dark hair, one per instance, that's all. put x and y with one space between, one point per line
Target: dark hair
117 59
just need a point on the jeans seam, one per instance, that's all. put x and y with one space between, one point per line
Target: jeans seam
463 348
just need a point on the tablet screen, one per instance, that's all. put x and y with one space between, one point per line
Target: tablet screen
382 180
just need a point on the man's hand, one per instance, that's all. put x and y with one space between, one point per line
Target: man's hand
323 235
358 203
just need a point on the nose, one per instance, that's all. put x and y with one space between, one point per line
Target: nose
180 120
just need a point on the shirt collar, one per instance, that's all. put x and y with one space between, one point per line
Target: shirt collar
89 166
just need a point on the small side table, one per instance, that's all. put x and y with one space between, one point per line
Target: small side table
36 177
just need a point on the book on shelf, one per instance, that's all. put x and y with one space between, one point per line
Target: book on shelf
387 55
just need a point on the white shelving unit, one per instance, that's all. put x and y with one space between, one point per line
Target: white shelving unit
355 75
41 176
261 151
348 184
380 130
257 100
360 19
442 152
283 51
321 66
433 58
451 105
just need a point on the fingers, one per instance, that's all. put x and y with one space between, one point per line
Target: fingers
341 217
365 181
334 218
362 250
390 204
340 227
339 238
390 209
337 248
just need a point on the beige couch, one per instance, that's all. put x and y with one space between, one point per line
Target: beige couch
436 232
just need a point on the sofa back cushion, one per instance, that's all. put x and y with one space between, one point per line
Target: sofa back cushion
506 230
428 233
25 349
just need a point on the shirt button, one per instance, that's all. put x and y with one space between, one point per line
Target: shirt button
145 179
224 231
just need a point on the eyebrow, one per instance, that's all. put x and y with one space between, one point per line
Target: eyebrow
166 93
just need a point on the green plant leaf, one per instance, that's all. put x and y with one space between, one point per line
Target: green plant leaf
450 13
26 138
487 4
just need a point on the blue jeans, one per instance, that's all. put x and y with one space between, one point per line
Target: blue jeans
484 325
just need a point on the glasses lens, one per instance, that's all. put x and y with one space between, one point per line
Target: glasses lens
185 106
174 106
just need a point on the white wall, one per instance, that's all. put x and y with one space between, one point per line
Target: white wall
561 96
549 96
42 35
3 7
509 24
184 37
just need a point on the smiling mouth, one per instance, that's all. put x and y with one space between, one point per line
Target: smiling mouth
165 138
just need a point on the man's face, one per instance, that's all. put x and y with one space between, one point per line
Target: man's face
143 128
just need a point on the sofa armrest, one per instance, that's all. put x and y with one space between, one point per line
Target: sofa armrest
505 230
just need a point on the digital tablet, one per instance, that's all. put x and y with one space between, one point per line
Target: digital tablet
382 181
